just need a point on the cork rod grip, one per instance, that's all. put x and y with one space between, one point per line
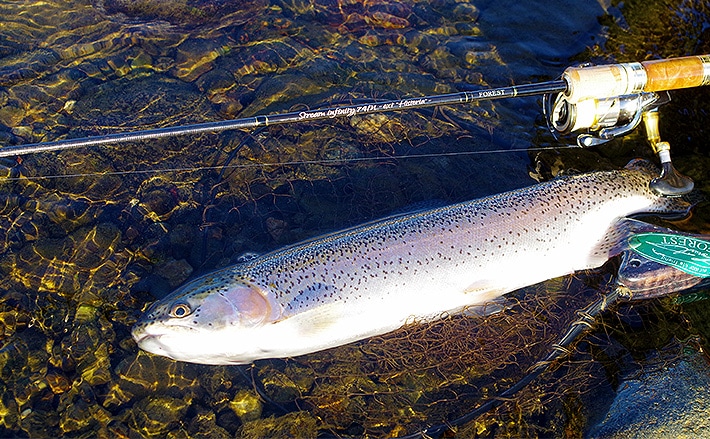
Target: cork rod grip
608 81
674 73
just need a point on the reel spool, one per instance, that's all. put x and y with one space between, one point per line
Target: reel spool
600 120
604 102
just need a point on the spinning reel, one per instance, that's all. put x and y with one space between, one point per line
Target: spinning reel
604 102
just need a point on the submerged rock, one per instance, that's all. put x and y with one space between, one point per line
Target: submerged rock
246 405
292 425
154 416
667 403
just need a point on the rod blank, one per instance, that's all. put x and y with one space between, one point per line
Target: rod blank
292 117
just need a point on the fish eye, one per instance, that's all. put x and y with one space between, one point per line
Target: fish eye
180 310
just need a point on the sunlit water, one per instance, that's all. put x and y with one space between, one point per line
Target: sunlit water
89 237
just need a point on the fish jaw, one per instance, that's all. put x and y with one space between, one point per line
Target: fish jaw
195 345
208 321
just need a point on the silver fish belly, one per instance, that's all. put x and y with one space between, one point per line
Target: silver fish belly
375 278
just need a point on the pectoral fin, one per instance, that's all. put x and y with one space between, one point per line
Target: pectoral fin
486 290
318 320
616 240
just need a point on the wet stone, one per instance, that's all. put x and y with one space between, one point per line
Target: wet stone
21 355
59 359
85 313
228 420
278 229
156 415
159 198
220 381
9 412
75 416
156 99
80 415
303 377
97 372
280 90
116 397
204 426
378 126
279 386
670 403
216 83
68 213
387 21
8 323
180 12
116 429
469 47
4 96
469 29
246 405
182 239
465 12
145 374
174 271
196 57
155 241
81 344
58 382
416 41
11 114
40 423
138 375
142 61
92 187
292 425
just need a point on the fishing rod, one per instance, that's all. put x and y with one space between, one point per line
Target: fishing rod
292 117
595 103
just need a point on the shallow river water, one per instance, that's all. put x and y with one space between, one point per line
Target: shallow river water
89 237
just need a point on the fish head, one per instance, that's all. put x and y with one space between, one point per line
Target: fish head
208 321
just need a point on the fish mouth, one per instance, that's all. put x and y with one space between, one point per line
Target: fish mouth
141 337
149 342
144 336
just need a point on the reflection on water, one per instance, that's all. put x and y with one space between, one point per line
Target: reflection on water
89 237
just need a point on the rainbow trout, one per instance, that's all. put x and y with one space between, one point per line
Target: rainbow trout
372 279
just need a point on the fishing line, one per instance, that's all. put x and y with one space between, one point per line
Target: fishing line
331 162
